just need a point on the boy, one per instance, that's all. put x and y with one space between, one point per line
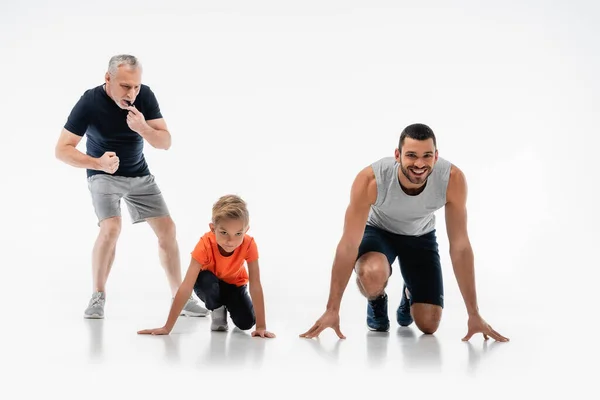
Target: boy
217 274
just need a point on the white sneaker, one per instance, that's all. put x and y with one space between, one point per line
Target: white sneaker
219 319
95 308
193 309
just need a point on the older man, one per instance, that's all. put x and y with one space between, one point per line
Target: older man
117 117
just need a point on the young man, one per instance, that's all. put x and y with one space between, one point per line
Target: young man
391 214
117 117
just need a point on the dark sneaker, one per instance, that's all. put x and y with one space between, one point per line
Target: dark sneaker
377 314
403 313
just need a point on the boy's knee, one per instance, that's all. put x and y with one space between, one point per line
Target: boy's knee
207 280
211 301
208 290
246 322
246 326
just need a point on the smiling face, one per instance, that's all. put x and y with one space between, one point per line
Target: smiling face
417 159
229 233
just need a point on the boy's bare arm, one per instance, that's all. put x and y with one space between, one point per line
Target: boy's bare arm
258 301
182 296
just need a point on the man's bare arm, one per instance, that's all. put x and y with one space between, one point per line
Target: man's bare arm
461 252
155 131
158 134
363 194
66 151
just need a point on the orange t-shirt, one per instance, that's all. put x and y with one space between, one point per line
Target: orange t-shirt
227 268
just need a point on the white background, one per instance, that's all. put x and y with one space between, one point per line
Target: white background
283 103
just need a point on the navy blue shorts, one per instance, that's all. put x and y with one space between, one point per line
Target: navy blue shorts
419 261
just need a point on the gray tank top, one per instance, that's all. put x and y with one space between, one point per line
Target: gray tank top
397 212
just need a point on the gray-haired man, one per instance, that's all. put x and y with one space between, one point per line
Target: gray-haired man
116 117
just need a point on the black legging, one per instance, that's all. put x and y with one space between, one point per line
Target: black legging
216 293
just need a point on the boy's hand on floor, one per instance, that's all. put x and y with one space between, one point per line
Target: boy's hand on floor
156 331
263 333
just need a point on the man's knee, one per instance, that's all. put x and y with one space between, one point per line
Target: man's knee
110 229
167 234
372 274
427 317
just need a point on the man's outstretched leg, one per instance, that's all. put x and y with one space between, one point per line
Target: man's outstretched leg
103 256
168 251
146 203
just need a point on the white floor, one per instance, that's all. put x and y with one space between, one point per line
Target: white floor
283 103
49 348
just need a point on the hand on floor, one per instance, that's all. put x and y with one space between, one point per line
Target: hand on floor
329 319
478 325
156 331
263 333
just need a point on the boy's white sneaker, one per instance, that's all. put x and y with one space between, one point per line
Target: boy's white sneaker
219 319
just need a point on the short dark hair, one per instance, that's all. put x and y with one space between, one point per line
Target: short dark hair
417 132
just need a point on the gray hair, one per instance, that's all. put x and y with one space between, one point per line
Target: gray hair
122 59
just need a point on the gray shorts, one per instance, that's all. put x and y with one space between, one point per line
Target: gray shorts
141 194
